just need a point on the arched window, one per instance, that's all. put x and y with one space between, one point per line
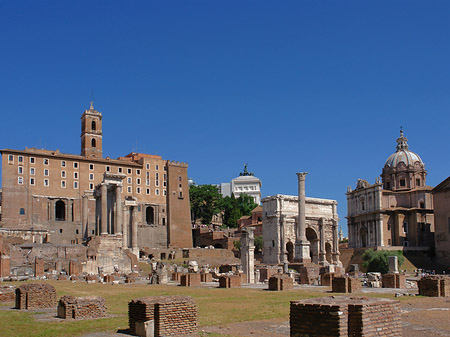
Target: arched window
93 142
60 211
93 126
150 215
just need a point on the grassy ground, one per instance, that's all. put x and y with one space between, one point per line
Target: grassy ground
215 306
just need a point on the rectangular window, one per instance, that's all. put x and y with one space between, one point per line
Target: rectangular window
138 172
10 159
46 182
20 169
75 165
63 163
164 183
180 195
46 172
45 161
417 182
164 192
165 168
129 171
402 182
129 180
148 166
157 167
32 171
129 189
63 174
20 180
91 176
147 182
147 191
120 169
165 176
179 178
91 186
138 190
108 168
405 227
63 183
32 160
157 176
32 181
156 182
75 175
138 181
157 192
75 184
20 159
91 167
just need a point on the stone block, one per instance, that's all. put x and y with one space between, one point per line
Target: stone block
230 281
393 280
326 279
190 280
81 307
206 277
33 296
346 284
7 293
434 286
281 282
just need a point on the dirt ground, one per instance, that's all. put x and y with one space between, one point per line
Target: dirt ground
421 317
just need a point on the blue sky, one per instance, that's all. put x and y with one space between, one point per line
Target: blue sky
285 86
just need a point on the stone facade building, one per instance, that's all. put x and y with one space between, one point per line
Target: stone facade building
398 211
72 197
246 183
283 237
441 196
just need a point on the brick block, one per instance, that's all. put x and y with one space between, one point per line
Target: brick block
281 282
346 284
190 280
206 277
326 279
434 286
81 307
230 281
33 295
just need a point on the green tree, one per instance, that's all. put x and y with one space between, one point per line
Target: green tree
234 208
259 243
378 260
205 202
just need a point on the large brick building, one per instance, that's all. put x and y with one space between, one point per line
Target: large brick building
71 197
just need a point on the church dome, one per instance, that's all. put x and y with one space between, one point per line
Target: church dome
403 154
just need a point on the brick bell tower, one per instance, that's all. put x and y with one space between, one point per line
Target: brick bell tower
91 133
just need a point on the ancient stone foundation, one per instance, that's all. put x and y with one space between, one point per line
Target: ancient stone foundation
168 315
344 316
81 307
7 293
32 296
176 276
205 277
190 280
230 281
346 284
434 286
281 282
326 279
393 280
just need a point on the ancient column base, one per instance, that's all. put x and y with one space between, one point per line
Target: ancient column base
302 254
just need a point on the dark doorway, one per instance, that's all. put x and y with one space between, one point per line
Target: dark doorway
60 211
150 215
290 251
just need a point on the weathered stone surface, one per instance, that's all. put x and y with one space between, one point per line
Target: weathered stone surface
281 282
33 295
190 280
7 293
434 286
81 307
230 281
346 284
392 280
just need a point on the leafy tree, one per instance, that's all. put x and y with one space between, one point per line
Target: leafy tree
259 243
378 260
205 202
234 208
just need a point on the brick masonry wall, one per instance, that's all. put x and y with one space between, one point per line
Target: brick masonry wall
190 280
393 280
7 293
176 276
81 307
281 282
172 315
346 284
434 286
205 277
38 267
230 281
326 279
33 295
344 316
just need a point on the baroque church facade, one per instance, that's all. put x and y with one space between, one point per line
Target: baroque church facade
64 198
396 211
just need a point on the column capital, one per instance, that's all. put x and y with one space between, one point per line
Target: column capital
301 175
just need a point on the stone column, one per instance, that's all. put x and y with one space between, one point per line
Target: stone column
104 206
126 226
134 234
301 245
119 215
84 222
322 252
336 253
282 257
248 254
379 226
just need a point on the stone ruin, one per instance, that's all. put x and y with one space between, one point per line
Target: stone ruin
281 282
434 286
81 307
393 280
33 296
162 316
230 281
346 284
159 273
7 293
344 316
190 280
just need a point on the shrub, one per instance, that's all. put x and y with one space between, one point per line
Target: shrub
378 260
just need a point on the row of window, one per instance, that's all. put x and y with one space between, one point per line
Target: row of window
20 160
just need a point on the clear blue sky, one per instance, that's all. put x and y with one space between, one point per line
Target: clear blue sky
285 86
